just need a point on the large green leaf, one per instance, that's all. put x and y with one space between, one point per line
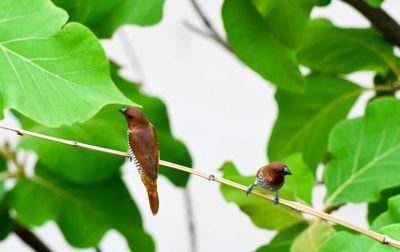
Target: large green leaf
52 72
302 179
83 213
103 17
261 212
1 106
171 149
291 16
392 215
344 241
305 120
378 207
329 48
365 155
254 43
312 238
393 231
283 240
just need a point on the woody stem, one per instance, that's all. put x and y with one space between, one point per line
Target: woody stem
384 239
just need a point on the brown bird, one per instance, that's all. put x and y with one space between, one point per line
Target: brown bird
271 178
144 151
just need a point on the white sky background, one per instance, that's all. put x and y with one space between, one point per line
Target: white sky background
221 110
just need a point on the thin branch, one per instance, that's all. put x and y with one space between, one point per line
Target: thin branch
379 18
384 239
9 154
29 238
213 33
189 213
197 30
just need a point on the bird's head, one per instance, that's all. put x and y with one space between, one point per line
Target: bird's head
134 116
280 168
275 172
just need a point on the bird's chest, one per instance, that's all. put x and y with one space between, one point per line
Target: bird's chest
133 157
264 184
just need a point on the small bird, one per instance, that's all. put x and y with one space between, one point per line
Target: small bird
271 178
143 151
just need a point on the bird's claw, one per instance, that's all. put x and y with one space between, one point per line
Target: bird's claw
276 200
249 189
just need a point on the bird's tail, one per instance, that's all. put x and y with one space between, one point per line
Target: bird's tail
151 187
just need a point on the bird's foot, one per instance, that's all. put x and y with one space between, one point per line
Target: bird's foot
249 189
276 200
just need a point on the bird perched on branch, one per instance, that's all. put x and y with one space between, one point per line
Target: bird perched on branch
143 151
271 178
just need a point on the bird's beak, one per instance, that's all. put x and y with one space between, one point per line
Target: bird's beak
286 171
122 110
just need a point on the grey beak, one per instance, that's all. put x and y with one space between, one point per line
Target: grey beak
286 171
122 110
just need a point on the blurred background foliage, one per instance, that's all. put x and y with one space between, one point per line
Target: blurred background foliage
57 81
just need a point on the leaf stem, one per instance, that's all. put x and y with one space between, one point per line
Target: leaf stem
11 155
6 174
379 18
189 213
384 239
386 88
29 238
212 32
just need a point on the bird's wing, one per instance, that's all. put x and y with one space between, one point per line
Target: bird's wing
144 145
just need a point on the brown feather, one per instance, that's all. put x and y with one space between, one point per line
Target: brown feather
143 142
151 187
273 173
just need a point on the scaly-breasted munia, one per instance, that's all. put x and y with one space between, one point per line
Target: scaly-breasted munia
271 178
144 151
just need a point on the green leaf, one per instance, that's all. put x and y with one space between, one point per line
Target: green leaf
171 149
83 213
6 225
384 219
254 43
283 240
328 48
364 151
392 215
344 241
1 106
393 231
261 212
107 129
103 17
323 3
305 120
302 179
312 238
374 3
52 72
378 207
291 16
